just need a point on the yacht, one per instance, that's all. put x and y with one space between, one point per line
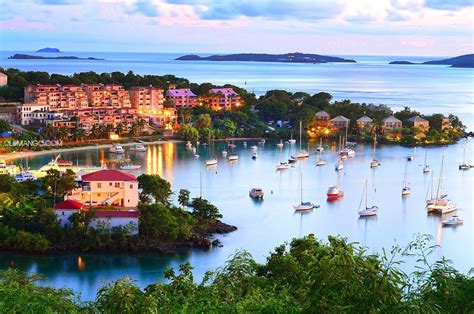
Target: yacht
211 161
426 168
292 140
56 165
374 163
292 159
368 211
347 152
303 206
452 221
117 149
256 193
302 153
440 204
254 148
406 190
233 157
138 148
25 176
464 165
224 153
130 167
334 193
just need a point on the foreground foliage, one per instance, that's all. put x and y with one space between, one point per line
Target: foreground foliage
305 276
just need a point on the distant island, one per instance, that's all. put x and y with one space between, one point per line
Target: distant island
296 57
27 57
47 49
464 61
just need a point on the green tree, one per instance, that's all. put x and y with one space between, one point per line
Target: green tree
204 210
4 126
154 189
57 183
188 133
204 121
184 197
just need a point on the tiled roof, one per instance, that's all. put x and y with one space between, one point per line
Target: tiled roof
365 119
182 92
68 205
322 114
2 74
108 175
224 91
116 214
417 119
340 119
391 119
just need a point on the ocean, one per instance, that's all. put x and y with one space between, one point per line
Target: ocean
426 88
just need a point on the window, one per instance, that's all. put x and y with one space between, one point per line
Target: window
110 183
131 186
117 184
99 185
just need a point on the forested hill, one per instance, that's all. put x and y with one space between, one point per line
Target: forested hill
296 57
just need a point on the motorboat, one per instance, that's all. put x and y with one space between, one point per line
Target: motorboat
244 144
410 157
224 153
196 156
368 211
292 159
55 165
254 148
302 154
256 193
189 144
117 149
138 148
347 152
374 163
320 148
130 167
232 145
25 176
452 221
334 193
282 166
254 155
211 161
262 142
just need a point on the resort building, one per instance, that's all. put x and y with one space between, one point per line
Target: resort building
365 124
419 123
391 123
322 119
8 112
445 124
3 79
110 218
221 98
182 98
147 100
340 122
27 112
108 95
111 188
57 97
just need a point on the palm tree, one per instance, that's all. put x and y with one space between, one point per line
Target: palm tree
141 125
78 134
109 128
119 128
134 128
49 131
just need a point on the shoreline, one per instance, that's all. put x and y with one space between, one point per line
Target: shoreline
17 155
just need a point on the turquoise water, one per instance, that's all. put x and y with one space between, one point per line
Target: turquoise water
429 89
264 225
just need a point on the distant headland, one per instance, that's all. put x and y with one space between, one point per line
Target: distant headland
48 49
464 61
296 57
27 57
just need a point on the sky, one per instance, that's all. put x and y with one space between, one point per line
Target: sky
335 27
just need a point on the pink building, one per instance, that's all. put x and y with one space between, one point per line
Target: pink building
3 79
147 100
182 98
221 98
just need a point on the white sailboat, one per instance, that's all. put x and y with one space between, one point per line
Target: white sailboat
368 211
292 140
320 147
211 160
302 153
280 145
233 156
303 206
441 204
320 162
464 165
340 165
406 190
426 168
374 163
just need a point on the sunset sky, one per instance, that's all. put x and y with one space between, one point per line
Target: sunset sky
338 27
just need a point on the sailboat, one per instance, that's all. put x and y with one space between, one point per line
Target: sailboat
406 190
441 204
320 147
340 165
426 168
374 163
464 165
211 160
233 156
368 211
280 145
224 152
292 140
303 206
320 162
302 153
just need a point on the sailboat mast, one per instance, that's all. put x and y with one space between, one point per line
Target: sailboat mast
200 184
440 178
301 185
426 156
300 134
366 194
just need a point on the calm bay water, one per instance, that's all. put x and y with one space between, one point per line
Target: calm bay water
429 89
264 225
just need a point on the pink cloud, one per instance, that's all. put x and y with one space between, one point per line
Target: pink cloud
20 23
